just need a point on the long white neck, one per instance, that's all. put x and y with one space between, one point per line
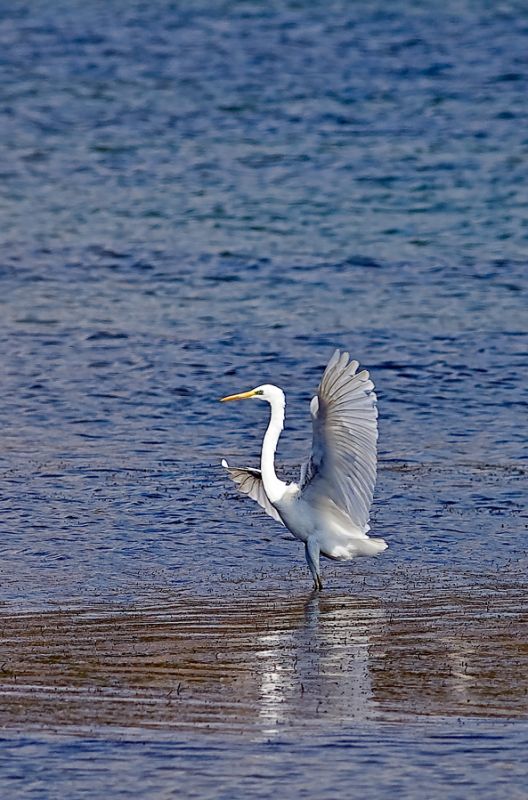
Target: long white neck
273 487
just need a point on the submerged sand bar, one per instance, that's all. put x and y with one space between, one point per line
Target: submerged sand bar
267 663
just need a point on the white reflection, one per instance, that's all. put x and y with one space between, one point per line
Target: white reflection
461 657
317 672
276 678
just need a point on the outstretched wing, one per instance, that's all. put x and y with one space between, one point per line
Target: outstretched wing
249 481
342 464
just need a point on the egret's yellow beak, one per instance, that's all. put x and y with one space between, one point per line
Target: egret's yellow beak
242 396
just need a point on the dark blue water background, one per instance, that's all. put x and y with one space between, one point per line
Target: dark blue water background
199 197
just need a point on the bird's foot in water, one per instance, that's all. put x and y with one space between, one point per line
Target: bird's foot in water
312 552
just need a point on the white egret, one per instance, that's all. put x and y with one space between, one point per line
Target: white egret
328 509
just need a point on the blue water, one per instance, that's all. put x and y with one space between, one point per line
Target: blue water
198 197
458 761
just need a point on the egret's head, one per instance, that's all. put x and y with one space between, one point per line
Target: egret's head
268 392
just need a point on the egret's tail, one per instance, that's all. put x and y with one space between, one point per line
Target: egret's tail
370 547
365 547
355 546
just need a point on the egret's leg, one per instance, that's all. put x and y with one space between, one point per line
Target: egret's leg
312 551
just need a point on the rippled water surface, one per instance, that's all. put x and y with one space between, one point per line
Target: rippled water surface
196 198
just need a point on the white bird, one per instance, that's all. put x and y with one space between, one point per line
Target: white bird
328 509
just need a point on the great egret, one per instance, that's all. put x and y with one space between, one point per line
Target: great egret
328 509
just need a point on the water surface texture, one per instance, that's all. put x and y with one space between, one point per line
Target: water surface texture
196 198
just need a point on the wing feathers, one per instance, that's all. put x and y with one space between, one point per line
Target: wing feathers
342 465
249 481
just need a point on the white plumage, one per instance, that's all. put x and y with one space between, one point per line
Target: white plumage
329 509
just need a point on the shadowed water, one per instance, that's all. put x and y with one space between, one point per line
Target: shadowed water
196 198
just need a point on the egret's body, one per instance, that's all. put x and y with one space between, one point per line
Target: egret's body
328 509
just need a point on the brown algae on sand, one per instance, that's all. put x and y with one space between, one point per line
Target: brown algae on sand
267 663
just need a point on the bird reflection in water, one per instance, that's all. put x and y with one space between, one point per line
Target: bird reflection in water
319 670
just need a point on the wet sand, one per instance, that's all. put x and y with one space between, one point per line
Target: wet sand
268 663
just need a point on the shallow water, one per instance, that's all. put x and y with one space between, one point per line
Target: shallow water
195 200
264 666
258 694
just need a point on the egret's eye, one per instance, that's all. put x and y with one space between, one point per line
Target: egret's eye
259 391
